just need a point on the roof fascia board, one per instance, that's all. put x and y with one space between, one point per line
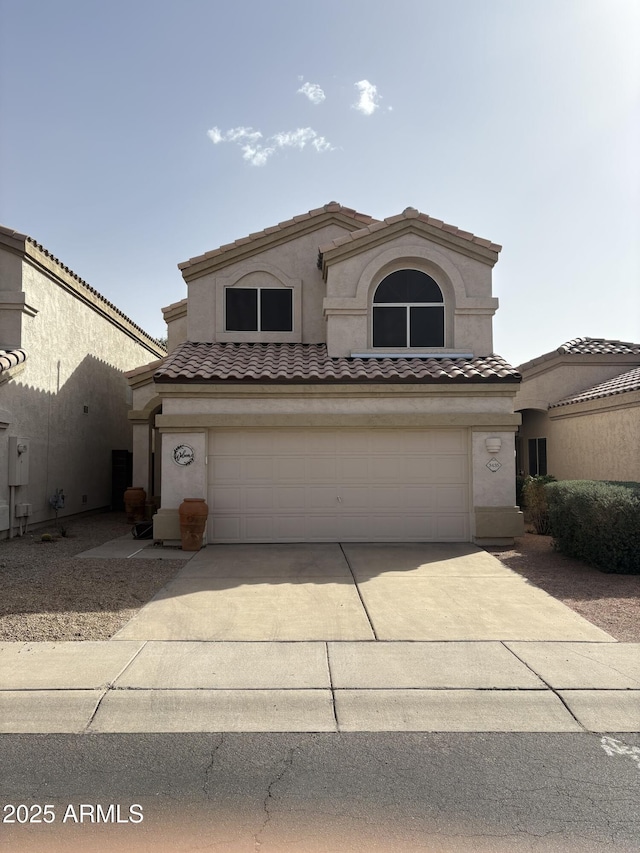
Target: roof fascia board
503 388
493 421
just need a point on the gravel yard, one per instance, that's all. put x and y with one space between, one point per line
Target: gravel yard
48 594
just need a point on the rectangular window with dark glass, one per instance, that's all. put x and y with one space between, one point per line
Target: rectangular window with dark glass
276 310
389 327
537 457
258 309
427 326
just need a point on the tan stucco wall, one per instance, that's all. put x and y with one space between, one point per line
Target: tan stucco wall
75 358
294 261
175 316
595 441
561 378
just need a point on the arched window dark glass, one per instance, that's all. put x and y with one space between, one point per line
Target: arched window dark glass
408 311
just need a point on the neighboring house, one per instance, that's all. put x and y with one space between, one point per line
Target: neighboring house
332 378
64 397
580 410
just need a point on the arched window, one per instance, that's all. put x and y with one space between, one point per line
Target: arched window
408 311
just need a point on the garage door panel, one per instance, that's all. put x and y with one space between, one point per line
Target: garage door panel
323 442
451 498
353 442
258 528
291 498
449 441
386 468
258 497
291 469
258 468
225 500
225 528
418 527
321 497
449 469
355 468
417 469
322 469
355 497
388 497
226 468
420 498
450 528
333 485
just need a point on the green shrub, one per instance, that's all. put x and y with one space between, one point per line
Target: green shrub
535 502
598 522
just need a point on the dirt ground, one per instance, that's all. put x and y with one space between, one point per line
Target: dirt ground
49 594
612 602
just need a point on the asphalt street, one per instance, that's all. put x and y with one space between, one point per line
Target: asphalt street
269 793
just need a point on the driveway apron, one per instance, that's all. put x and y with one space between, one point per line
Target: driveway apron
329 592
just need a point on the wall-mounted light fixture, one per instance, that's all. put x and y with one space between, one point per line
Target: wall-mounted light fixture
493 445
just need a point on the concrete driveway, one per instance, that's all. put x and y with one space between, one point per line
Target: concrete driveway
333 592
331 638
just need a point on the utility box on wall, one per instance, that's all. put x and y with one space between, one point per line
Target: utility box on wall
18 461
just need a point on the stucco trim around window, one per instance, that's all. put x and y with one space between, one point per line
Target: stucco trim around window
257 276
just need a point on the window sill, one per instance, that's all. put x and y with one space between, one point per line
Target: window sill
411 353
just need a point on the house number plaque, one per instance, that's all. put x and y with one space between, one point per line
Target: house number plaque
183 454
493 465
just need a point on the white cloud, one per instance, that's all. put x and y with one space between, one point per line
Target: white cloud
300 137
257 153
236 134
313 92
367 103
214 135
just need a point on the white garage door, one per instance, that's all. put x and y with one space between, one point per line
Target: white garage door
348 485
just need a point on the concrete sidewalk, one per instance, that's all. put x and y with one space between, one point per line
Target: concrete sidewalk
130 686
323 637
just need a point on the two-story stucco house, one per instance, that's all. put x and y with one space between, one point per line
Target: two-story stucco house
332 378
64 398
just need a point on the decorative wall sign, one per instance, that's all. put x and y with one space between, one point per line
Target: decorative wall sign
493 465
183 454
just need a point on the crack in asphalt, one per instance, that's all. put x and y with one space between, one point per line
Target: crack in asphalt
209 767
266 805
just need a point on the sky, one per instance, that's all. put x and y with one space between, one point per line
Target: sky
137 134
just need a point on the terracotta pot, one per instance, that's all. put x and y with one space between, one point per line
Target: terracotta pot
135 499
193 519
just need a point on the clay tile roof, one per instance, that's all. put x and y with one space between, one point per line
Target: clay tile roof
410 213
331 207
598 346
309 363
628 381
10 358
585 346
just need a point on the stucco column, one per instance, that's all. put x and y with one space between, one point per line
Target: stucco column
141 455
497 519
184 475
